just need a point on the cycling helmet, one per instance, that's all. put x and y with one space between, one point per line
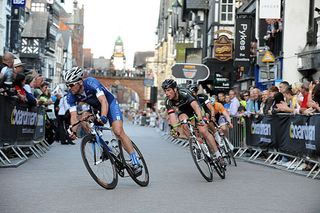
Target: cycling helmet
212 100
73 75
193 88
169 83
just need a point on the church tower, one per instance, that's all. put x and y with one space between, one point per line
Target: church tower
118 59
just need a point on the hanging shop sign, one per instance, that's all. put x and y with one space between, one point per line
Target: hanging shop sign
242 40
221 81
223 48
195 72
19 3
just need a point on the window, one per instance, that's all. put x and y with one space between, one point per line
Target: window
38 7
227 11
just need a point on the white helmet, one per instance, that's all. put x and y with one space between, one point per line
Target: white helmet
73 75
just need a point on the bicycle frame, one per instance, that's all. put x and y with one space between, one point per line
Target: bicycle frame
203 146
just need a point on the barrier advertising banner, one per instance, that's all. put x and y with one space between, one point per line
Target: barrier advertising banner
261 132
291 137
292 134
8 133
313 144
20 124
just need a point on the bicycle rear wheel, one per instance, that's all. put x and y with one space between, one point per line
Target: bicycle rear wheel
98 162
229 152
224 154
143 178
219 169
200 160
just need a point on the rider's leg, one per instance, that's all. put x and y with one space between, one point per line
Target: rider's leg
209 138
225 130
184 126
117 128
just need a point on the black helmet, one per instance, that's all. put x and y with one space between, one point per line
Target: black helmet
169 83
193 88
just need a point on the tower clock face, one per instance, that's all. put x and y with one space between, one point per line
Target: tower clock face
118 49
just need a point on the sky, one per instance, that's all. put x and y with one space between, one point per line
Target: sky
135 21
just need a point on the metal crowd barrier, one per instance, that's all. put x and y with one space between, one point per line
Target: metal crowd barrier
22 130
273 153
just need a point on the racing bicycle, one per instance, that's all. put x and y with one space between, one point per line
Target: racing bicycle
224 145
106 159
200 153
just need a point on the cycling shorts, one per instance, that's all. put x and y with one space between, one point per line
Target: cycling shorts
114 112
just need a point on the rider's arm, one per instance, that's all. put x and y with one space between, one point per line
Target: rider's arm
227 116
73 120
172 118
70 103
104 105
210 107
171 113
195 106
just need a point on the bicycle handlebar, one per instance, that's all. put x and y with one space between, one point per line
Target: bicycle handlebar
217 125
185 121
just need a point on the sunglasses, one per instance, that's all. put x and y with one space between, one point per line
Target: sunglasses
72 84
245 95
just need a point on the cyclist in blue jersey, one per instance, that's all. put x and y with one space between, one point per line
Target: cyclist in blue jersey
92 92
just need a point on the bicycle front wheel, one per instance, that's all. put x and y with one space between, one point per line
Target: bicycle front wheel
99 162
200 160
143 178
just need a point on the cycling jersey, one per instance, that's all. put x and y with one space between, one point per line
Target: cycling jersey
218 111
203 101
92 90
182 105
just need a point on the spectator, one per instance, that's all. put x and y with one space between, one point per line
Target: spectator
277 99
234 105
283 86
227 103
153 118
18 67
291 104
305 93
244 97
35 84
264 103
296 89
253 104
63 121
256 100
18 85
221 98
314 96
6 71
45 97
272 91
